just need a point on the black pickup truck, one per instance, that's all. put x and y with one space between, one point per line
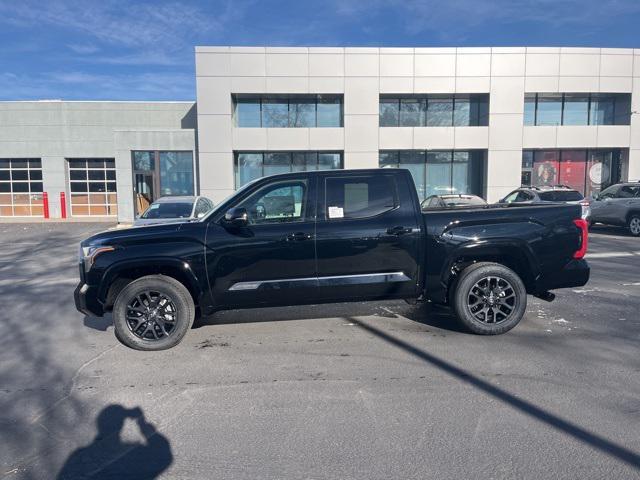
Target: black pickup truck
331 236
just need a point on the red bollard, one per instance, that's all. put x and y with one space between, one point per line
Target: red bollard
45 204
63 205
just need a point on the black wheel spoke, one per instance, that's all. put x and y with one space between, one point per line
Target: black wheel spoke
491 300
151 315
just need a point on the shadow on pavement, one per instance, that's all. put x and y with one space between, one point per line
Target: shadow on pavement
575 431
98 323
108 457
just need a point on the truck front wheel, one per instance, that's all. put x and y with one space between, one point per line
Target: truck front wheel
153 313
489 298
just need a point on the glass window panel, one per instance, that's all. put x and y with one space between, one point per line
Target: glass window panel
36 186
549 109
78 186
5 175
530 109
388 159
5 187
35 163
602 110
96 174
329 112
95 162
302 113
414 161
573 164
304 161
576 110
525 178
176 173
462 111
527 159
36 210
275 113
439 112
21 199
277 162
143 160
21 211
5 163
110 163
438 173
389 112
460 174
248 168
19 163
247 112
411 112
111 174
20 186
97 187
623 109
35 174
599 171
545 168
111 186
329 161
19 175
77 163
480 104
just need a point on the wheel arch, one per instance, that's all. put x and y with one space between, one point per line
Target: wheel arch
121 274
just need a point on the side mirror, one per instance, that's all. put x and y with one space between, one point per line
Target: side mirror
236 217
594 195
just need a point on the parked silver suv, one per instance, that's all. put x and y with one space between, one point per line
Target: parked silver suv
618 205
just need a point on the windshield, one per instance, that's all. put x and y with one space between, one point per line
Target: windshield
168 210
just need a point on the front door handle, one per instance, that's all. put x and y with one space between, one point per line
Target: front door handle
399 230
298 237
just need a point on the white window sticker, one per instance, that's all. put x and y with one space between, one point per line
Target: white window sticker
336 212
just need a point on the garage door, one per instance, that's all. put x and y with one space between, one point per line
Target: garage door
92 185
20 187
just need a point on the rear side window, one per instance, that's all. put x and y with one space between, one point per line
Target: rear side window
628 191
561 196
359 197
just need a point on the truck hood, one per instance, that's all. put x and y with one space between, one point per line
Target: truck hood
125 235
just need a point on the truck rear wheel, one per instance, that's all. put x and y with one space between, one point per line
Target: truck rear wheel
633 224
153 313
489 298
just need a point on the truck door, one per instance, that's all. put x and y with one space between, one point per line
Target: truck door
367 236
271 261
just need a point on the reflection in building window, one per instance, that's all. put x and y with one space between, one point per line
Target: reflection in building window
440 171
577 109
292 111
458 110
252 165
21 187
92 183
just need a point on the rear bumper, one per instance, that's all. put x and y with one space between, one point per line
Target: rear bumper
86 300
574 274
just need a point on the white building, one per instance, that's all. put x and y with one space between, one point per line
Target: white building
480 120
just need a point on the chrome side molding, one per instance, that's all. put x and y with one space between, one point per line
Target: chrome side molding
339 280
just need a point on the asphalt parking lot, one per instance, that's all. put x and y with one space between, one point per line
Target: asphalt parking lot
367 391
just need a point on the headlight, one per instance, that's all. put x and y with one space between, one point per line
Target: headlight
89 254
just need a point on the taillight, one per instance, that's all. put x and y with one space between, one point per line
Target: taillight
581 223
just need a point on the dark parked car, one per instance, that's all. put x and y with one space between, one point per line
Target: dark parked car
618 205
451 200
557 193
331 236
174 209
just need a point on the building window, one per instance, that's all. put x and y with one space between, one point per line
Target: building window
434 110
252 165
577 109
584 170
21 187
287 111
440 171
92 187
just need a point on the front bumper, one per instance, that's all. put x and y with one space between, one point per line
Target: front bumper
574 274
86 299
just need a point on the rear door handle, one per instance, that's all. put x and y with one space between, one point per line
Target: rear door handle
298 237
399 230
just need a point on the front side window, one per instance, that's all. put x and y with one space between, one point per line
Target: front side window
282 202
627 191
359 197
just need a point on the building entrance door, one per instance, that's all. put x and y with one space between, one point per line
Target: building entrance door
144 191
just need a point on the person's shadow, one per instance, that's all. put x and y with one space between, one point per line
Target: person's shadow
108 457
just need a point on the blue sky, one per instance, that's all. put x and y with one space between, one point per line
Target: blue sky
127 50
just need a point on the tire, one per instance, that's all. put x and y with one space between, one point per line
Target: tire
153 313
499 314
633 224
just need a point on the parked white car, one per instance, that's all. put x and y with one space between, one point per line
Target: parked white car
173 209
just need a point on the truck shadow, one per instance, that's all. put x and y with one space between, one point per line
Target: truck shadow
423 313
